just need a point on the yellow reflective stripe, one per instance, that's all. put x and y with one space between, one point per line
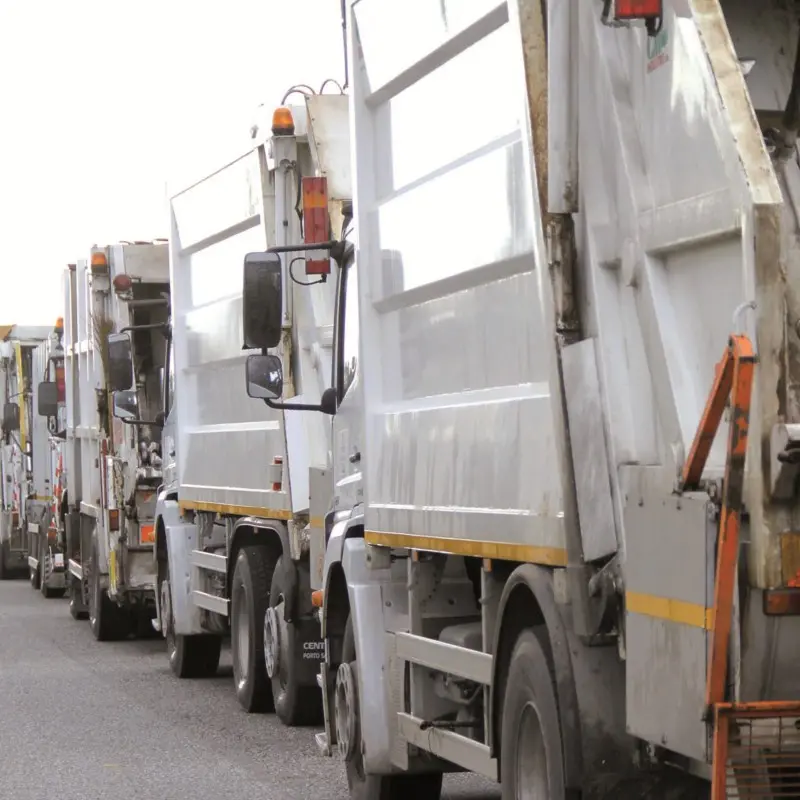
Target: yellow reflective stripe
671 610
533 554
23 406
240 511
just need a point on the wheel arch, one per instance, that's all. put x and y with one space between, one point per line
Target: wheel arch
528 600
256 531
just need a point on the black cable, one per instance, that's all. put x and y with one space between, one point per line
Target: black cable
334 82
299 282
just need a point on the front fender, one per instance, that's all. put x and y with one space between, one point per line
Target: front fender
343 529
180 539
364 590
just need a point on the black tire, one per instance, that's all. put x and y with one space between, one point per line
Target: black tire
5 549
107 620
252 577
295 704
52 593
531 750
36 576
189 656
194 656
364 786
48 592
76 609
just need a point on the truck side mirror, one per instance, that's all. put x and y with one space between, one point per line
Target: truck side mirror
126 405
120 362
11 417
262 301
47 399
264 377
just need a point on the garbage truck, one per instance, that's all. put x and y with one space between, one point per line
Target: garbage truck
46 509
115 342
24 443
238 539
562 548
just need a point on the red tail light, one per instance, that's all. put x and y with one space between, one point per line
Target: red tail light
638 9
315 222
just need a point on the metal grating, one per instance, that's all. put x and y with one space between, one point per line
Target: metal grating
756 751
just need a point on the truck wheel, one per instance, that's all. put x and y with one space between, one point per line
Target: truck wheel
52 592
531 752
106 618
364 786
249 597
76 607
36 576
189 656
48 592
295 704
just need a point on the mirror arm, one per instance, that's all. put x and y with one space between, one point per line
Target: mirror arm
293 406
300 248
340 251
141 422
150 326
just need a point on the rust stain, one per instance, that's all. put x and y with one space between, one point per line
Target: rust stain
790 558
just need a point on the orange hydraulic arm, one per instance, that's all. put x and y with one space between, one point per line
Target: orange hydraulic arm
734 380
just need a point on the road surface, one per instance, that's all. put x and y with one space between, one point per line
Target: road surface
83 720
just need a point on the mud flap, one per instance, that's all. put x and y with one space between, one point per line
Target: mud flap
310 652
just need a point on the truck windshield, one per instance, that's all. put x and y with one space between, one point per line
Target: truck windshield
350 339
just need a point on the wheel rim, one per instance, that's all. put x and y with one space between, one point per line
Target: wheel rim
167 620
272 644
532 778
346 712
242 629
93 591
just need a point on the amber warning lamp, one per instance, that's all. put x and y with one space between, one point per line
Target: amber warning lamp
282 122
99 262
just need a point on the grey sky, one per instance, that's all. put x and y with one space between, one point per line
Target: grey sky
103 102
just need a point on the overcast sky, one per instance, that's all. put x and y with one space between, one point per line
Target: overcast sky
102 102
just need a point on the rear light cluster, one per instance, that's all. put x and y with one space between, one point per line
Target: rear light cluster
638 9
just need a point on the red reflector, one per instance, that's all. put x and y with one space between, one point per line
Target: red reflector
113 519
122 283
315 222
638 9
61 385
782 602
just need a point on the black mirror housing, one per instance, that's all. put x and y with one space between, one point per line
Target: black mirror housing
120 362
264 377
11 417
262 301
125 405
47 399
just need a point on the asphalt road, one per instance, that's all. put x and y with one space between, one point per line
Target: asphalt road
82 720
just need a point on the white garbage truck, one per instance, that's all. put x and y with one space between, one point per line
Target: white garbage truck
115 342
238 541
24 445
563 547
46 510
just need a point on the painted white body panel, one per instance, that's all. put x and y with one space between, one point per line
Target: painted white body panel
460 433
227 442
